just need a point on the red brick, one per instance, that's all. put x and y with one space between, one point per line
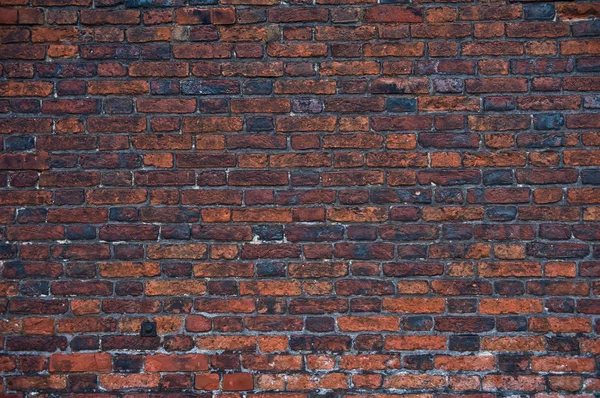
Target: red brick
560 325
368 323
253 69
510 306
35 232
192 251
101 17
287 15
25 89
413 305
159 69
118 382
202 51
394 14
465 362
506 48
349 68
409 187
117 87
514 343
557 364
176 363
238 382
265 105
64 363
166 105
411 343
26 383
290 50
34 161
116 196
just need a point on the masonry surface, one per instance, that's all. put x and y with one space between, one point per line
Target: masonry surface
332 199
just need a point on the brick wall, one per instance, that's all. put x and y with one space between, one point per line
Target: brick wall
340 199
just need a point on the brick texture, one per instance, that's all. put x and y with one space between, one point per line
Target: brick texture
334 198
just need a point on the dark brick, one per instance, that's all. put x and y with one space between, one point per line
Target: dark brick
539 12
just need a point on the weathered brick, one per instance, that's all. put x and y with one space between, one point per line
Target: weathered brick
394 14
100 17
127 381
392 177
176 363
65 363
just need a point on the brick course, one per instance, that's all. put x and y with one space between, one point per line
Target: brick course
334 197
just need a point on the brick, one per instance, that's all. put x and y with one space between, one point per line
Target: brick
41 232
507 48
583 195
449 140
184 251
305 87
116 124
26 89
393 49
514 343
290 50
509 306
275 362
176 363
555 364
369 361
572 47
387 123
202 51
348 141
413 305
238 382
117 87
262 215
166 105
349 68
25 383
36 161
560 325
537 29
126 269
394 14
253 69
405 186
159 69
63 106
453 213
127 381
101 17
465 363
367 323
399 86
523 383
194 160
510 269
120 233
116 196
409 381
211 124
357 214
20 51
80 363
284 15
260 106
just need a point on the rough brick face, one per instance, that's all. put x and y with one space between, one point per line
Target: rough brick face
338 198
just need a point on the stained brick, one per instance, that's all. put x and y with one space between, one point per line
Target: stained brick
363 198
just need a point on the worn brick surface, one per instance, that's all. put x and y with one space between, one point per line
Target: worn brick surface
338 198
